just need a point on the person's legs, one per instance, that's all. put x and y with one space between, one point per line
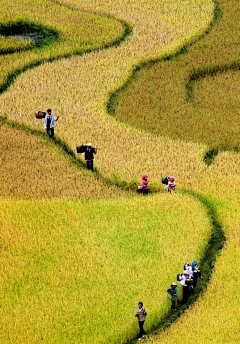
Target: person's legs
141 330
173 307
51 132
185 294
90 165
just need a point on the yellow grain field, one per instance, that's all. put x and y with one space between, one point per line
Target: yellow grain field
74 271
70 32
31 167
195 95
215 317
70 268
80 87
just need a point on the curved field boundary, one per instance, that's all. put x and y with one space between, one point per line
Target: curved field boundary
70 150
127 31
114 96
206 264
212 250
202 67
212 71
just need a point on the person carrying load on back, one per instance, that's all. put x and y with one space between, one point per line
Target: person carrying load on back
89 156
172 295
143 189
170 183
49 123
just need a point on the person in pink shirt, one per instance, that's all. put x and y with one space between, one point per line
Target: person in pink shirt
145 185
171 184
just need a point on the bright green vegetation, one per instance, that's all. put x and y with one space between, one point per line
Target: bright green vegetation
74 271
66 32
193 96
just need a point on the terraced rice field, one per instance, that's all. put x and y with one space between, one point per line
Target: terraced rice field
154 85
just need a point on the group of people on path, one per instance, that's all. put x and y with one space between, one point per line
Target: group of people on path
144 190
188 280
49 121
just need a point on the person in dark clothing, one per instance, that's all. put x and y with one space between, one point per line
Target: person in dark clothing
89 156
141 315
173 294
196 274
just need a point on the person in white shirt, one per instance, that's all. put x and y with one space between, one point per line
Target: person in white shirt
186 290
141 315
49 123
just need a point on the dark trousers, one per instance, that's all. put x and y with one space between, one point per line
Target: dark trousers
194 282
50 132
141 330
186 293
144 192
90 165
173 300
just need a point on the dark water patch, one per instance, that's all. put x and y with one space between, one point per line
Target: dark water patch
23 30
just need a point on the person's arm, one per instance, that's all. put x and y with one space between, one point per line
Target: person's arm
144 311
45 122
169 294
137 314
55 119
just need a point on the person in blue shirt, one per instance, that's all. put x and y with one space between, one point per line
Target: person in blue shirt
49 123
172 295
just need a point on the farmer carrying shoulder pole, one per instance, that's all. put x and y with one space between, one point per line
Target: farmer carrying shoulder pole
172 295
49 123
89 156
141 315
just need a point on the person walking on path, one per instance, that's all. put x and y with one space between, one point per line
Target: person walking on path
145 185
141 315
173 294
185 287
89 156
49 123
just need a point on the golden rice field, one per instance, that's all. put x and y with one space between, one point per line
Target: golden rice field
195 95
214 318
74 265
73 271
33 167
71 31
74 92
